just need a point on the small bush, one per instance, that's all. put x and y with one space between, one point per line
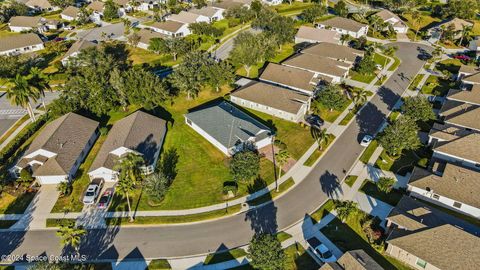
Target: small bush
103 131
385 184
65 189
230 186
423 162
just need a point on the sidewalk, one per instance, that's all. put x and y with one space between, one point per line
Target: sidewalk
15 132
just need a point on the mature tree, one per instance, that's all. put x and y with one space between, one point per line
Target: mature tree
25 177
247 50
359 96
128 167
341 9
466 33
21 94
245 165
178 46
134 39
13 8
158 45
346 209
359 43
280 27
62 3
189 76
331 97
71 235
377 23
39 81
401 135
156 186
55 47
110 10
241 13
321 136
313 13
207 29
83 16
265 252
417 19
385 184
367 65
344 38
199 3
218 74
12 65
418 108
464 9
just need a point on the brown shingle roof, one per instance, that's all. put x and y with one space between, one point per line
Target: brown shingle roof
25 21
473 78
146 35
65 136
289 76
43 4
343 23
19 41
469 96
457 23
457 183
467 69
467 147
140 131
445 247
96 6
318 64
205 11
447 131
71 11
169 26
461 114
318 35
334 51
78 46
272 96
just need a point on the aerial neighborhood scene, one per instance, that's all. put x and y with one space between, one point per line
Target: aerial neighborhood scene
240 134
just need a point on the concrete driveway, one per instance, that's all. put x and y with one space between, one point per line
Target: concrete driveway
324 181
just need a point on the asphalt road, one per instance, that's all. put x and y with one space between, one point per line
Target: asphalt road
126 243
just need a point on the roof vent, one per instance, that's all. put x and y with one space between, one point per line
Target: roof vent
361 261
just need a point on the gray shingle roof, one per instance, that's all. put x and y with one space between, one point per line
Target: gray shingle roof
317 34
343 23
228 124
25 21
289 76
318 64
334 51
140 131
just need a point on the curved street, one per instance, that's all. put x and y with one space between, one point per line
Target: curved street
124 243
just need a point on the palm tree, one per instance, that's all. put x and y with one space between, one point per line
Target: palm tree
376 23
129 170
281 158
38 80
466 32
70 235
359 96
321 136
344 38
345 209
417 19
20 94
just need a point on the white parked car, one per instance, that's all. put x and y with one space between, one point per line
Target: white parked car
93 190
367 139
320 250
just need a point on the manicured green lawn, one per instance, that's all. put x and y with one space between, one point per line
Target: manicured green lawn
350 180
322 211
159 264
437 86
364 78
272 194
282 236
318 153
404 163
395 64
174 219
224 256
15 203
370 188
413 85
330 115
452 65
296 7
140 56
298 258
347 118
54 222
350 236
367 154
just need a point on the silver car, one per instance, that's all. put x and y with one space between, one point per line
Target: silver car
93 190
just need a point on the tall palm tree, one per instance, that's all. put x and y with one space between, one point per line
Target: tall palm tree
70 235
417 19
281 159
376 23
321 136
129 170
466 32
21 94
38 80
359 96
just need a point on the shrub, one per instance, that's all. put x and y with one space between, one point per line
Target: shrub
26 175
372 229
423 162
103 131
65 188
385 184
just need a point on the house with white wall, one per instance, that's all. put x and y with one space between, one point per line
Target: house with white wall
20 44
139 133
70 13
188 17
27 23
55 155
213 14
228 128
274 100
389 17
41 5
344 26
171 28
96 7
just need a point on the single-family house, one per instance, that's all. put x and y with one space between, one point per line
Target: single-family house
335 51
27 23
75 49
228 128
458 113
272 2
353 259
463 150
273 100
448 185
145 37
212 13
140 133
227 4
123 7
144 5
307 34
171 28
19 44
297 79
188 17
389 17
344 26
96 7
456 25
109 32
70 13
41 5
325 68
441 247
57 152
